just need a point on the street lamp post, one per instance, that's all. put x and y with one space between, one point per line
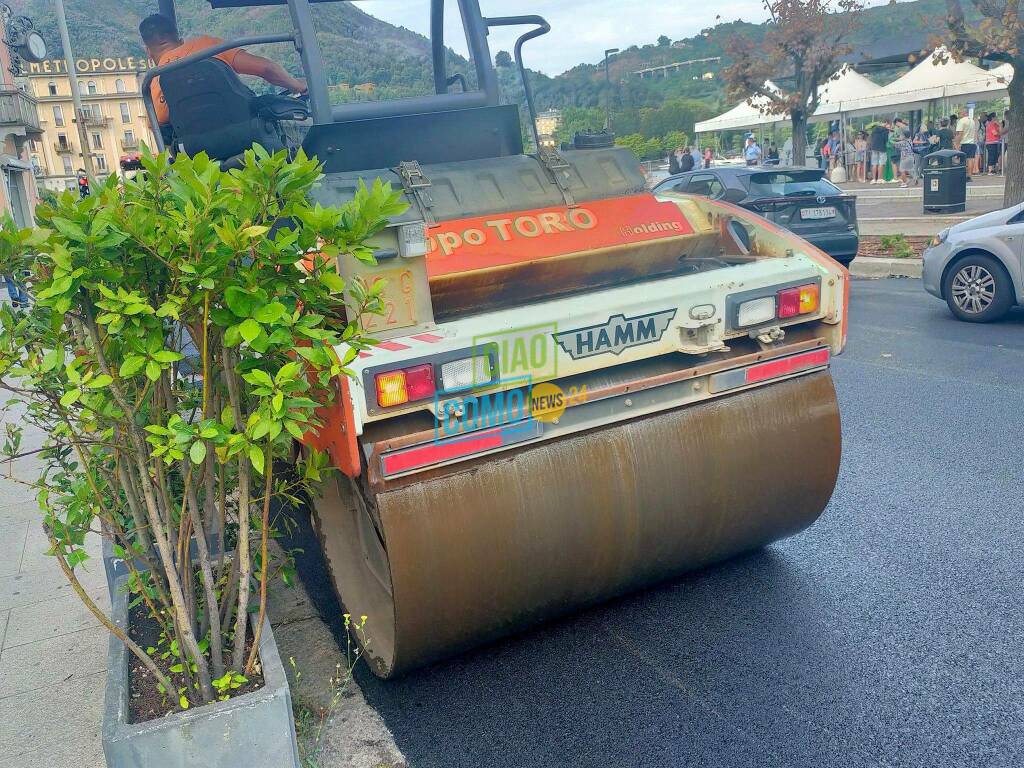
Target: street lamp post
609 52
76 94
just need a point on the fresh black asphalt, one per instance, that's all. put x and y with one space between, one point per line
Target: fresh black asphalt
888 634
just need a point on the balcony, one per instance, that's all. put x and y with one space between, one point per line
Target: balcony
63 149
129 145
94 120
18 109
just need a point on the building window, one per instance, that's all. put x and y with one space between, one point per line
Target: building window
129 138
97 141
58 115
62 140
119 85
126 113
33 145
51 87
92 87
101 162
81 87
69 169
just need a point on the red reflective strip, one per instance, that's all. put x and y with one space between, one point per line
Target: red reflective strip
786 365
435 453
392 346
430 338
365 354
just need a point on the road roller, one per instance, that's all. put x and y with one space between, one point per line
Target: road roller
579 389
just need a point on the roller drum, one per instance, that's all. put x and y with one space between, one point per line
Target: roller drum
461 558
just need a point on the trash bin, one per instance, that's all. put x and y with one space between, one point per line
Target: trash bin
945 182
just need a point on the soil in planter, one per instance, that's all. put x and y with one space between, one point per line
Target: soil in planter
145 702
871 246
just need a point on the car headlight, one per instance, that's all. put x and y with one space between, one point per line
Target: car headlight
940 238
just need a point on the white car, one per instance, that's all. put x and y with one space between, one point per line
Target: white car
977 266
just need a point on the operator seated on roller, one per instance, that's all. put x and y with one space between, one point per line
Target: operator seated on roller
163 45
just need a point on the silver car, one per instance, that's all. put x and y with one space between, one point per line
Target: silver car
977 266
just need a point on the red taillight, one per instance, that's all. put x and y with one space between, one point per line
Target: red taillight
789 302
419 381
405 385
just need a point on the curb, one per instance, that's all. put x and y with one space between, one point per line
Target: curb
876 268
353 734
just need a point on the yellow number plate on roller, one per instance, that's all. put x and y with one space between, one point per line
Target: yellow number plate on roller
399 299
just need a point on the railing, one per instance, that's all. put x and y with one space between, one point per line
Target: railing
62 149
129 144
98 121
18 108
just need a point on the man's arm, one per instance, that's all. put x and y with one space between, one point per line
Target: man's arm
245 63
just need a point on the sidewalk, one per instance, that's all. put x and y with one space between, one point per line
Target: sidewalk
53 653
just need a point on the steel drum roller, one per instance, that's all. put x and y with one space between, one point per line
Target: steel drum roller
480 552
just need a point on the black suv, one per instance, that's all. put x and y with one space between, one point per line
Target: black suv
799 199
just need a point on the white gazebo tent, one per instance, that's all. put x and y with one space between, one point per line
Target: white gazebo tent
931 80
743 115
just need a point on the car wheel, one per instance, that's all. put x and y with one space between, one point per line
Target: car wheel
978 289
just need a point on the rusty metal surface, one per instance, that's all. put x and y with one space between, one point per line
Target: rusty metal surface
477 554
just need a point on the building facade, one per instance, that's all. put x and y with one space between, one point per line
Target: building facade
547 124
19 127
114 116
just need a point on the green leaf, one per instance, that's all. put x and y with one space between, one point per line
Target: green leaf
259 377
70 397
249 329
333 281
152 371
132 364
52 359
183 701
270 313
239 301
256 457
197 452
167 356
100 381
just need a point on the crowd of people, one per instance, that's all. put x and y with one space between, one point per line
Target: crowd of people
891 144
867 153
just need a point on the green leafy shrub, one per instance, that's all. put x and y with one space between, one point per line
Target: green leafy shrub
167 447
897 246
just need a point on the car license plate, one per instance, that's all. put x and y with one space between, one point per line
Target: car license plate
399 297
825 212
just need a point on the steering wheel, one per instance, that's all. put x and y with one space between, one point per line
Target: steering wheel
294 95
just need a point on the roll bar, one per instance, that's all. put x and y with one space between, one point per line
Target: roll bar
542 29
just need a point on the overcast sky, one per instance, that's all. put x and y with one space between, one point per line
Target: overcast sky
582 29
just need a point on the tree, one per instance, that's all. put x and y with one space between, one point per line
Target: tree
999 36
503 59
664 41
803 45
168 448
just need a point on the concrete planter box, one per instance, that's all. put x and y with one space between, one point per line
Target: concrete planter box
254 730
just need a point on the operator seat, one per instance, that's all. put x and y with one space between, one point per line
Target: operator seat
213 111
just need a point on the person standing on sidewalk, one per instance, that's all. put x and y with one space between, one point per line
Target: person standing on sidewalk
860 154
752 152
966 140
908 163
879 141
993 143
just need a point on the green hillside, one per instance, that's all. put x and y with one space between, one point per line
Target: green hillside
359 48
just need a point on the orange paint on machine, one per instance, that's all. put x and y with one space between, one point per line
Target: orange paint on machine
482 242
